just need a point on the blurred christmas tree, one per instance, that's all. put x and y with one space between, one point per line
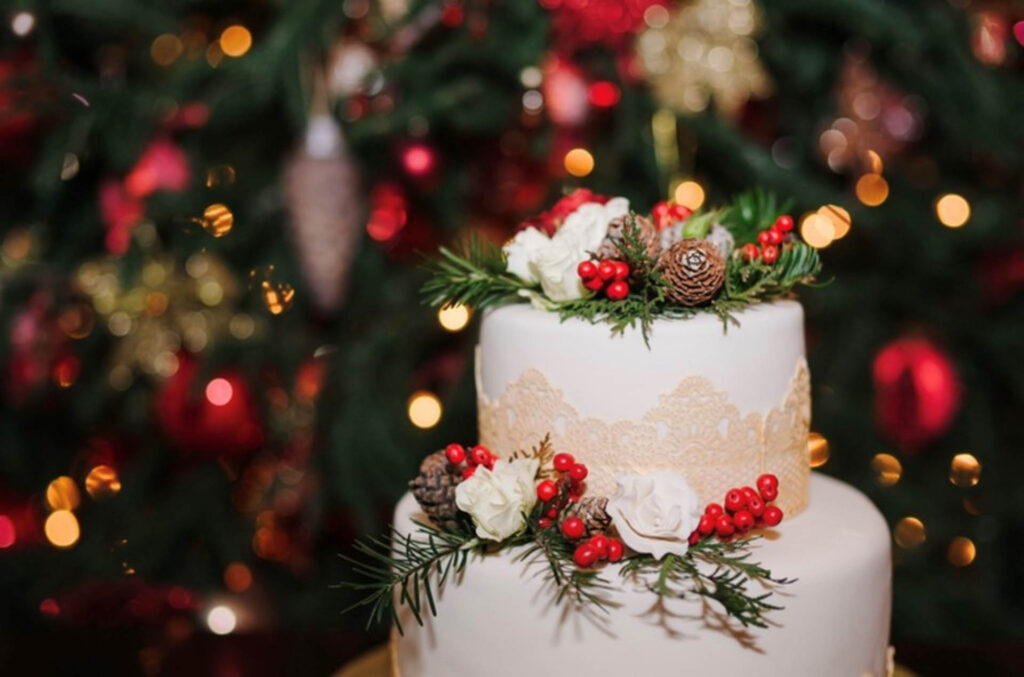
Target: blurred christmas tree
216 369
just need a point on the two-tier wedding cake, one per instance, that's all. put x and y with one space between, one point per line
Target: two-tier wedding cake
641 499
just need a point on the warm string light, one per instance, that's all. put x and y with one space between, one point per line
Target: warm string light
221 620
817 230
219 392
235 41
424 409
909 533
952 210
217 220
817 450
62 494
61 529
454 318
872 189
964 471
102 483
579 162
840 219
689 194
887 469
961 551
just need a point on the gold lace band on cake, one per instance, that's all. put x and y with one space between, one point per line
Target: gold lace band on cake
694 430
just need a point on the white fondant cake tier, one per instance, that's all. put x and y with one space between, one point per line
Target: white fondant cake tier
498 618
719 406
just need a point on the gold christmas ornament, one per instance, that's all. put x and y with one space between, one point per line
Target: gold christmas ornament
434 489
695 271
705 52
616 229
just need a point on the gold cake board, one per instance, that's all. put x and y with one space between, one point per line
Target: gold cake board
379 663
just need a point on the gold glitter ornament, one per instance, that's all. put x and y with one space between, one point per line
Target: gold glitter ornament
705 52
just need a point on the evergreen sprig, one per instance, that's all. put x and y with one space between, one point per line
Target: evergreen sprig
750 213
474 277
712 569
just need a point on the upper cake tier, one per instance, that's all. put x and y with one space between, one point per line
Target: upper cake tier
720 407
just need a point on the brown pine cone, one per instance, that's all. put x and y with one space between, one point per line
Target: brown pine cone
695 271
592 511
648 233
434 489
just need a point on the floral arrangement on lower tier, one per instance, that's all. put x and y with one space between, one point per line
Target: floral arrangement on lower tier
653 529
589 256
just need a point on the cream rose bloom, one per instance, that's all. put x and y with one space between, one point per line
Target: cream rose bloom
534 257
655 513
499 499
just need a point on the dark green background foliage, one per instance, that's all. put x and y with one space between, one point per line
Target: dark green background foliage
897 272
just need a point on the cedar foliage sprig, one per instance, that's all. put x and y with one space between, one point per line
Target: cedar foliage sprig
475 277
544 453
413 565
720 571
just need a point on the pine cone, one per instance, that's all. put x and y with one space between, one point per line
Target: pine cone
648 233
434 489
592 511
695 271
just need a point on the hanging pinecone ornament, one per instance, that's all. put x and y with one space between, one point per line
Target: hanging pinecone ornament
695 271
434 489
327 210
616 231
593 511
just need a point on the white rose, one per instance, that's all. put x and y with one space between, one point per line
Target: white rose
656 513
584 230
499 499
555 267
522 250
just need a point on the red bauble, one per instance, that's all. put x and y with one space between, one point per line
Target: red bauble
187 414
767 480
755 506
917 392
594 283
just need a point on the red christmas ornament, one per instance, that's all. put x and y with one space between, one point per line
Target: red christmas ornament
217 417
755 506
621 270
607 23
600 544
917 392
767 480
606 270
784 223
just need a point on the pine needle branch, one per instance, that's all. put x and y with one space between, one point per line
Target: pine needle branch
475 277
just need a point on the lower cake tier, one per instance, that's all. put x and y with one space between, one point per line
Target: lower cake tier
499 618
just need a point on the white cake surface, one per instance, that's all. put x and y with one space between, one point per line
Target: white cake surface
498 618
719 405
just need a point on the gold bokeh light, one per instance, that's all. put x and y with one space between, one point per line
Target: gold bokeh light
817 450
840 219
424 409
102 482
689 194
235 40
961 551
964 471
62 494
952 210
872 189
579 162
817 230
61 529
887 469
909 533
455 317
218 220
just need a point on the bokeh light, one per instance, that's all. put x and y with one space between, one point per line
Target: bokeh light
219 392
235 40
23 23
872 189
277 297
61 528
579 162
817 450
418 159
102 483
217 220
952 210
62 494
237 577
454 318
961 551
887 469
909 533
690 194
424 409
818 231
166 49
221 620
840 219
964 471
8 532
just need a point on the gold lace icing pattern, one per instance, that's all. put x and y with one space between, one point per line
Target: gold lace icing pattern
694 430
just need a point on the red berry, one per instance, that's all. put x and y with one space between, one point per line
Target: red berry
617 291
585 556
546 490
680 212
574 497
578 472
770 254
735 500
621 270
563 462
784 223
606 270
586 270
552 513
772 515
769 494
481 455
468 471
724 526
749 492
661 213
774 236
767 480
714 509
743 520
594 284
706 524
573 528
600 544
455 453
544 523
751 252
694 538
762 238
755 506
614 550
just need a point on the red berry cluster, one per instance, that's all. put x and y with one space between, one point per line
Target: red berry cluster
664 214
770 241
744 510
557 493
595 549
606 275
475 457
